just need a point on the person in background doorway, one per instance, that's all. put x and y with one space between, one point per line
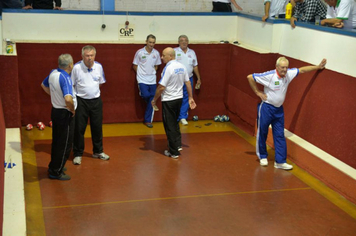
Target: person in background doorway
43 4
224 6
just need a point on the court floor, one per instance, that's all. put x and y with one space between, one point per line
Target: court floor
216 187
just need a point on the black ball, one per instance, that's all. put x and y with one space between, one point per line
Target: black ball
103 26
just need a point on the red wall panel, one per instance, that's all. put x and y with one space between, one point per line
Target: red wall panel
319 106
9 91
121 100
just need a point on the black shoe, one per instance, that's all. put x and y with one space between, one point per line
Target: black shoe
64 169
60 177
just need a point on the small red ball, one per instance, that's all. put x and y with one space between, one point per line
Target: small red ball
29 127
41 127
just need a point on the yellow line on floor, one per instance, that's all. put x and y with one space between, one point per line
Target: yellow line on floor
173 198
325 191
32 190
34 212
310 180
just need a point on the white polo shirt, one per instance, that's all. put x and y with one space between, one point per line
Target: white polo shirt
174 76
275 87
60 85
86 82
277 6
188 59
146 63
344 10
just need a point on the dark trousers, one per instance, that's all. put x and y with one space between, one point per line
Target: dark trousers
221 7
62 139
91 109
170 114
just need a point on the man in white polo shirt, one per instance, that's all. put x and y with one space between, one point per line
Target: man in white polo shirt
275 7
270 110
340 14
188 58
88 76
170 87
60 87
145 64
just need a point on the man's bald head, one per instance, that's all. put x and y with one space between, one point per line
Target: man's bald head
168 54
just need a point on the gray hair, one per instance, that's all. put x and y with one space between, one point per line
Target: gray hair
64 61
88 48
183 36
279 60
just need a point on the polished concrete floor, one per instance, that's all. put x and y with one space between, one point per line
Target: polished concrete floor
216 187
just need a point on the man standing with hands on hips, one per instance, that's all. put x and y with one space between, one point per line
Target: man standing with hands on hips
170 87
188 58
88 76
60 87
270 110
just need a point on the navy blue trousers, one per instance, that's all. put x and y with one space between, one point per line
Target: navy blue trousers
271 115
147 92
185 103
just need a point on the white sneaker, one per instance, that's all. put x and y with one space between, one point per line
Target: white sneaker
283 166
101 156
77 160
264 162
180 149
184 122
168 154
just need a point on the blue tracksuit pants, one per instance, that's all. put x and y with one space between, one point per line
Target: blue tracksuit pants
271 115
185 103
147 92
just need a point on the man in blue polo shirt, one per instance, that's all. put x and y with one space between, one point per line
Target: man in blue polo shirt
60 87
270 110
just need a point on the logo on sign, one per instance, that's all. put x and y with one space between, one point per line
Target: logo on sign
126 32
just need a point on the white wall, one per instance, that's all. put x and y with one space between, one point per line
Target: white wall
305 44
249 6
87 28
